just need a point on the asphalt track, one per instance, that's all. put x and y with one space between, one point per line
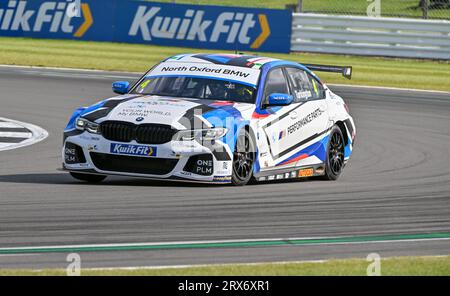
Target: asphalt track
397 183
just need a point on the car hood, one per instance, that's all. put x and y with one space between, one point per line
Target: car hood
172 111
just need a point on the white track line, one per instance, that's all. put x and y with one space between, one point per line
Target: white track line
9 124
37 134
15 135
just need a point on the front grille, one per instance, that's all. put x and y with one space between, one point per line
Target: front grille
118 131
142 133
133 164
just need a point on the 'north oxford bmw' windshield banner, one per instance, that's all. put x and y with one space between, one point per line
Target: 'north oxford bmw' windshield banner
199 26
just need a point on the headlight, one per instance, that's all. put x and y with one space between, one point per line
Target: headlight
86 125
201 134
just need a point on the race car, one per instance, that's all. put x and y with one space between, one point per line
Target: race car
214 118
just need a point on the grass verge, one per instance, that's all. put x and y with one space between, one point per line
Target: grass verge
406 73
405 266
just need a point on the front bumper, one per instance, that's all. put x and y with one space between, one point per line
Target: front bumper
84 152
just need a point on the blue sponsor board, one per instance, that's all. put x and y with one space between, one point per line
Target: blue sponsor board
129 149
200 26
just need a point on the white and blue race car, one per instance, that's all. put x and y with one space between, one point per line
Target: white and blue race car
215 118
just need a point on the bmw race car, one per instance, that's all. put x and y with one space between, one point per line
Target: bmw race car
215 118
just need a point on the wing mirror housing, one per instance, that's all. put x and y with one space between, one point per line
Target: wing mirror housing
121 87
279 99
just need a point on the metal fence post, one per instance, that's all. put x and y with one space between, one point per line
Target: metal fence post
300 6
425 4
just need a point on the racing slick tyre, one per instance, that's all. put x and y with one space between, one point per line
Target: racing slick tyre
88 177
334 163
243 159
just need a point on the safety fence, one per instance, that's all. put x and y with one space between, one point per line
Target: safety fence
357 35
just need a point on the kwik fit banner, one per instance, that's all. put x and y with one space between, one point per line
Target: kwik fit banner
199 26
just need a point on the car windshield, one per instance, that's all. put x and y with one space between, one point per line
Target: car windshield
196 87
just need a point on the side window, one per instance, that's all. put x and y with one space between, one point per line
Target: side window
276 83
305 87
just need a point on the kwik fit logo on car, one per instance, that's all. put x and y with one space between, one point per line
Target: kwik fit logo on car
137 150
200 26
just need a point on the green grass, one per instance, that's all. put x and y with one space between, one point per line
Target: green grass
412 266
420 74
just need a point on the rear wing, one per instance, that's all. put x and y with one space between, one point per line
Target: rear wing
345 71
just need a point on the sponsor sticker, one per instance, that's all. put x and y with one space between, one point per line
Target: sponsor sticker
204 167
128 149
233 73
303 173
222 179
304 121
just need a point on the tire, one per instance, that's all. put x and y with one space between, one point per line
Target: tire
334 163
243 159
88 177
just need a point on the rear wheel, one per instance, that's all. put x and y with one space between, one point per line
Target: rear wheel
335 155
243 159
88 177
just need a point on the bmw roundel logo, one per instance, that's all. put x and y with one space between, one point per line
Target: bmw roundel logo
139 119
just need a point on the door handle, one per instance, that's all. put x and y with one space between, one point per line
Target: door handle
293 114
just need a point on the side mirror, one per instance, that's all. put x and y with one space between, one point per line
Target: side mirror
278 99
121 87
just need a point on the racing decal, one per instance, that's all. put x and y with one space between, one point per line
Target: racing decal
282 116
258 62
218 58
224 179
73 154
99 113
349 126
200 164
304 121
292 148
218 104
214 71
129 149
239 60
192 118
295 158
308 172
71 133
153 109
102 110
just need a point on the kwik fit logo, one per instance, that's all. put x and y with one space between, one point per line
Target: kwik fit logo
45 16
153 22
129 149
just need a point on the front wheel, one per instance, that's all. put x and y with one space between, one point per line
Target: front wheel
334 163
88 177
243 159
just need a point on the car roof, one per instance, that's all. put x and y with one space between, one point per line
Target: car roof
237 60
